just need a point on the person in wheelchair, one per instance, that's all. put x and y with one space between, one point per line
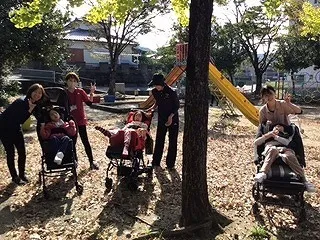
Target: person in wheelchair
137 125
278 141
58 134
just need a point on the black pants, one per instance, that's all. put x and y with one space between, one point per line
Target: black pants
10 141
85 141
159 145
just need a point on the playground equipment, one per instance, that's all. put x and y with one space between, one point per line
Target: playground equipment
220 85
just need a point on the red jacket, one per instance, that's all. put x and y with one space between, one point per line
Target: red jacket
50 130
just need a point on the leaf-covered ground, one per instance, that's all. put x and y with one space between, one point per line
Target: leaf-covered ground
121 214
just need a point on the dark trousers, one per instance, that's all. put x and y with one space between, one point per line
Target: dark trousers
59 144
85 141
10 141
159 145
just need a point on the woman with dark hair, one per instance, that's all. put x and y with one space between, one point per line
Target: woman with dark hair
275 110
11 134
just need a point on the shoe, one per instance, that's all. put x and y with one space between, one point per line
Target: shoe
18 181
58 158
170 168
94 166
260 177
24 178
309 187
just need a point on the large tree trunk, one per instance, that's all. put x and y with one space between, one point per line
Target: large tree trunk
112 83
258 81
195 203
293 83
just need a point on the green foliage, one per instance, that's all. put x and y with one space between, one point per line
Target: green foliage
294 53
42 43
257 27
310 18
226 51
259 233
8 89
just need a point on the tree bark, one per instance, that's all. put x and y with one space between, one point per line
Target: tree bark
196 208
258 81
293 83
113 72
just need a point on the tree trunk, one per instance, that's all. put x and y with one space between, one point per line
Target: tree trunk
293 83
112 83
258 81
195 202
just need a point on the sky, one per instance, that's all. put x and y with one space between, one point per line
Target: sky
162 32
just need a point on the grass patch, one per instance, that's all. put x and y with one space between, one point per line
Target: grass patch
259 233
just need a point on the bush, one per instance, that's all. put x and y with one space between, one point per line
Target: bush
8 89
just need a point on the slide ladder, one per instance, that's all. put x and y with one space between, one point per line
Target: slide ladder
234 95
222 101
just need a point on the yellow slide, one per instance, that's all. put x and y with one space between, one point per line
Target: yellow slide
174 75
233 94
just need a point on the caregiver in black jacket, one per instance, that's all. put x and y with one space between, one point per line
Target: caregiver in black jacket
11 134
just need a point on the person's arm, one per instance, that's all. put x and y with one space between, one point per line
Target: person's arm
282 140
290 107
85 98
71 128
176 103
261 140
45 130
262 116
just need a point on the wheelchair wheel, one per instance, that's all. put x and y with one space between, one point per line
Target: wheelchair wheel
79 189
45 194
302 215
132 184
108 184
255 208
150 172
255 192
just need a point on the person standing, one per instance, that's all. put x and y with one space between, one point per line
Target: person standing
167 102
77 97
274 110
11 134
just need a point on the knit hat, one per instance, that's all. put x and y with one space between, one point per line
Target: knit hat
157 79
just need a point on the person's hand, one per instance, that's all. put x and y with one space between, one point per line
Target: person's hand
31 105
93 88
42 124
169 121
287 98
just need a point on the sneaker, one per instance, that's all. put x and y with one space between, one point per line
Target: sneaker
94 166
309 187
260 177
170 168
17 180
24 178
58 158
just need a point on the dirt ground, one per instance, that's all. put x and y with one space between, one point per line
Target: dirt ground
122 214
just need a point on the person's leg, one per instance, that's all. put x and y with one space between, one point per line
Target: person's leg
63 144
291 160
85 141
126 142
271 155
21 149
8 145
159 145
173 141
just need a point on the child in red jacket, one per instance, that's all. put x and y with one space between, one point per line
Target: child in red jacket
58 133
